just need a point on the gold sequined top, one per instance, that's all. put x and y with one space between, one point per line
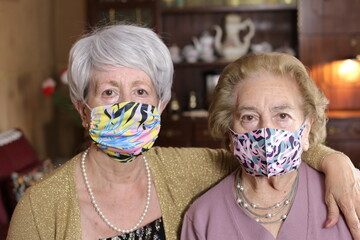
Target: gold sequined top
50 209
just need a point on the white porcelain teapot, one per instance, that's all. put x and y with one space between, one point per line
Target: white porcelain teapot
205 46
233 47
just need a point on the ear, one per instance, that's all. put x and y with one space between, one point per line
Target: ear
231 142
162 106
84 113
305 139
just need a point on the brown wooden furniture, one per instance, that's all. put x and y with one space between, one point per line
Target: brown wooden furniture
320 31
186 132
138 11
328 31
274 23
343 133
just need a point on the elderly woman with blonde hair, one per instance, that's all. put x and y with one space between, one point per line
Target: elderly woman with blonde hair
271 111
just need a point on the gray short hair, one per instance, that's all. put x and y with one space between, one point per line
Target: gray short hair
120 45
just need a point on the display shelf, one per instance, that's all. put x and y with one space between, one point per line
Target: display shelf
217 63
229 9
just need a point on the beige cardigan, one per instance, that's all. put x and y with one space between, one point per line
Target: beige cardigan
50 209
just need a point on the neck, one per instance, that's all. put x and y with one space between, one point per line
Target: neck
267 200
274 188
275 183
112 173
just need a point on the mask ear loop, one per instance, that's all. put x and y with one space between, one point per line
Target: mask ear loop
87 124
90 108
158 107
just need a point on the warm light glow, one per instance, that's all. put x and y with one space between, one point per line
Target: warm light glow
349 70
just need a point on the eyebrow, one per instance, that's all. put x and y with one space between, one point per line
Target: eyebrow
282 107
273 109
240 109
111 82
139 82
150 86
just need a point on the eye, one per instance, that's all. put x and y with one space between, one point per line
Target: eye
141 92
283 115
108 92
247 118
248 122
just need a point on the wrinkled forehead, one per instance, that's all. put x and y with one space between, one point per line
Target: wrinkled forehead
120 74
267 90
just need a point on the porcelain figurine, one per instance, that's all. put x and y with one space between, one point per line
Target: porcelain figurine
261 47
190 53
233 47
286 49
205 46
175 53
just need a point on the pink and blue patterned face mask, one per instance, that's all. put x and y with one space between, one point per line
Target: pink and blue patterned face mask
268 151
124 130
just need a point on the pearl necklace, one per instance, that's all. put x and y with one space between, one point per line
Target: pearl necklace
83 169
245 204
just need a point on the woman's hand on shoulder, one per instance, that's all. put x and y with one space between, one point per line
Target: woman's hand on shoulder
342 182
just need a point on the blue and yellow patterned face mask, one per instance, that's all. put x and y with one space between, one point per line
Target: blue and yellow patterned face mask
124 130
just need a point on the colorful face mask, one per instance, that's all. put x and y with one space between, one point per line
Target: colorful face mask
267 151
124 130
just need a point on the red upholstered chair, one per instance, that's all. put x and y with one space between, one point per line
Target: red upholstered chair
16 155
3 220
3 213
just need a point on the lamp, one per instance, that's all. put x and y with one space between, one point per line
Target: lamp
349 69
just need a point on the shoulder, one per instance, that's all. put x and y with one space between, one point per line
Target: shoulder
50 203
168 152
191 158
54 187
312 174
214 201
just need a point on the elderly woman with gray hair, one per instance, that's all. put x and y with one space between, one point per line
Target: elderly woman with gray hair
120 81
271 111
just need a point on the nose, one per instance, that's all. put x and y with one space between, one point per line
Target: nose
125 96
266 122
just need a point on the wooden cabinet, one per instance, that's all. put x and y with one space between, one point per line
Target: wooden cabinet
186 132
328 33
343 134
274 23
322 49
329 16
329 30
146 13
318 30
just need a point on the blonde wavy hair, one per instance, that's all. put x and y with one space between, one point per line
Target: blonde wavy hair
254 65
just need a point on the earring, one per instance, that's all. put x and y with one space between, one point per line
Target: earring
86 125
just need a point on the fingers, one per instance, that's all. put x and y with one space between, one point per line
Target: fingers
348 209
333 211
352 221
343 189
